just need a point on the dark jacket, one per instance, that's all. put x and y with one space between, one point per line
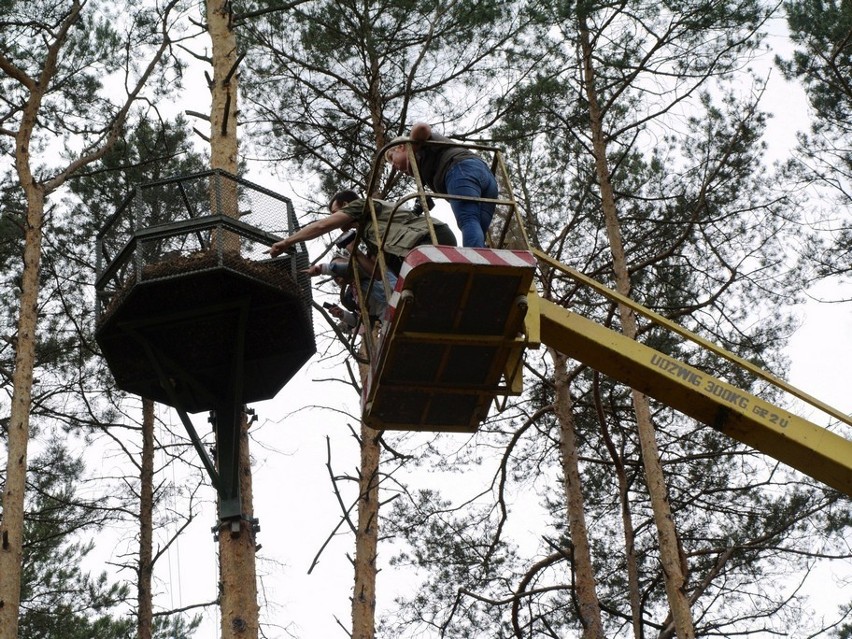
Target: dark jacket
434 161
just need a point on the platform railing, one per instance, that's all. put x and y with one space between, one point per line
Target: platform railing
210 213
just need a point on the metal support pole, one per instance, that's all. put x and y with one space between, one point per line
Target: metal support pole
227 421
226 416
228 424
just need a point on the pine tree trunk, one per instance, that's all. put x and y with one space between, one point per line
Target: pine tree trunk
670 555
12 524
53 41
224 144
626 520
588 604
223 113
366 540
367 536
237 570
145 604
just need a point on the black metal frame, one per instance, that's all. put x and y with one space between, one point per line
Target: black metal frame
227 414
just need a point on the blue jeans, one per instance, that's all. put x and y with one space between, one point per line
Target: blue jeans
472 178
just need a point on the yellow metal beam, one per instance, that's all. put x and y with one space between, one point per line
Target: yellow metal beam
659 320
809 448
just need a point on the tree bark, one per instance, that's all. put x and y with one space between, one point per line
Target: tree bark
224 144
670 555
589 606
237 569
223 112
366 539
12 524
145 613
626 519
367 535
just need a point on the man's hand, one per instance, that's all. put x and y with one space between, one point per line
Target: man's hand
279 247
334 310
314 270
398 158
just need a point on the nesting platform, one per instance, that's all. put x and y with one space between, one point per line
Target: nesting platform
192 311
237 331
452 341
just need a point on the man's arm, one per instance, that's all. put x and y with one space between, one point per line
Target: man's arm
365 263
322 226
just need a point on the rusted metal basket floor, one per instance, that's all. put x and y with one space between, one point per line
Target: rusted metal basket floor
453 329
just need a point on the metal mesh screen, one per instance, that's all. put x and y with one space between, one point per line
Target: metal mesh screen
193 223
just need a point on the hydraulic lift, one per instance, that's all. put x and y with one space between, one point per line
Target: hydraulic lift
454 339
460 320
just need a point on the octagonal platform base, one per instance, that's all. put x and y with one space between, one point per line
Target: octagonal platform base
218 334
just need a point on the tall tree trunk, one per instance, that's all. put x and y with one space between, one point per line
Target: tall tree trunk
366 539
237 570
670 555
626 518
224 144
589 606
367 535
53 42
223 113
12 524
145 613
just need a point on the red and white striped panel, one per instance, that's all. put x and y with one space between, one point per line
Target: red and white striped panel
456 255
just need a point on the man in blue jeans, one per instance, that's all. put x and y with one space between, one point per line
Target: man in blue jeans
454 171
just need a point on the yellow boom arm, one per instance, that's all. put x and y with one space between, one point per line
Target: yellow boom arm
813 450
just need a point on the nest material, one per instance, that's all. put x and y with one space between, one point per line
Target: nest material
171 266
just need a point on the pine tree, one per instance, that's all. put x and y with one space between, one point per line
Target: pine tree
152 150
347 78
54 61
237 572
822 62
702 228
58 598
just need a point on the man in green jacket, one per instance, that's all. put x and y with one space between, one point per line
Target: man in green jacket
348 210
